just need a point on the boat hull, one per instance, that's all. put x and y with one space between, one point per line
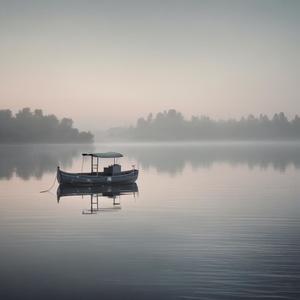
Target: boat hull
124 177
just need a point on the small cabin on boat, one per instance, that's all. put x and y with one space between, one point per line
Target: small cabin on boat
111 169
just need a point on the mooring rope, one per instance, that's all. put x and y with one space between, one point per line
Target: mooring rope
50 188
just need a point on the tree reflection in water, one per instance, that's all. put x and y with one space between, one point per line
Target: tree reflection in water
33 160
27 161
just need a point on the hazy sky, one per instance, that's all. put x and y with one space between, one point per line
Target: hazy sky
106 63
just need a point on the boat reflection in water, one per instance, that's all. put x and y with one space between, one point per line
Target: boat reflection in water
95 192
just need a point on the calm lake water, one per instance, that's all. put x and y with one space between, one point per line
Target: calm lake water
209 221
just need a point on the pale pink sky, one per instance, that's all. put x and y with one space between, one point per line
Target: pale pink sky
106 63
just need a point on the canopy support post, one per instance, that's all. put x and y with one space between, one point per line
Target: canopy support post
97 164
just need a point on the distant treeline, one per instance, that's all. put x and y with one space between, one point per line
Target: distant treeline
171 126
35 127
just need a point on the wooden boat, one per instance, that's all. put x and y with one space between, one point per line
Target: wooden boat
110 175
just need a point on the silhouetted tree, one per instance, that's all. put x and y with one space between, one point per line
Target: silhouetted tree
171 125
27 126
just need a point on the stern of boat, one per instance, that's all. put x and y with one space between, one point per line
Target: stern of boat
58 175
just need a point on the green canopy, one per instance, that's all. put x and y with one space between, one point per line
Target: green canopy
104 154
